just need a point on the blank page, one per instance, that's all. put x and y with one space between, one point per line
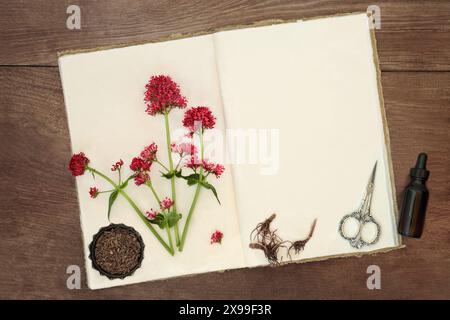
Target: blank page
314 82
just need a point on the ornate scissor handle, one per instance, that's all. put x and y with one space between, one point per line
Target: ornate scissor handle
357 241
354 215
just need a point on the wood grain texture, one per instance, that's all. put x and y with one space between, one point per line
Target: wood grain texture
40 229
414 35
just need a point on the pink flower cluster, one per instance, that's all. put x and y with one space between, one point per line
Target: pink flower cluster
201 118
183 149
151 214
149 152
78 164
216 237
198 118
141 165
166 203
214 168
163 94
117 166
141 169
209 167
93 192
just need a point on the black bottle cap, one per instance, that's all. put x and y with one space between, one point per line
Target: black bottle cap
420 171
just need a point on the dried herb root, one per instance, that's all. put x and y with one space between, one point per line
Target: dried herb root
299 245
267 240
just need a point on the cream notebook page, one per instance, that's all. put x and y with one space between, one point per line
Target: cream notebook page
314 84
103 93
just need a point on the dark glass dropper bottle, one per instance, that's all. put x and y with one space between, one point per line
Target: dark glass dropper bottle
415 199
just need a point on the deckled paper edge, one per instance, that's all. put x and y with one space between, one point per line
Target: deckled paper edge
281 264
84 244
387 139
263 23
176 36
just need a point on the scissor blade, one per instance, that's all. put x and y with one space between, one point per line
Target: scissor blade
372 177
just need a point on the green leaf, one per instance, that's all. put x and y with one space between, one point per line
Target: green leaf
209 186
168 175
112 198
159 220
194 176
178 174
192 182
172 218
191 179
171 174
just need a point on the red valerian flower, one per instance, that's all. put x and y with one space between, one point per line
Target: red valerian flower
218 170
141 169
151 215
162 94
78 164
93 192
216 237
208 166
117 166
199 117
166 203
193 163
183 149
149 152
214 168
141 178
139 164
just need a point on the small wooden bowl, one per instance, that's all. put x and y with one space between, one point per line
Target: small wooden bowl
105 262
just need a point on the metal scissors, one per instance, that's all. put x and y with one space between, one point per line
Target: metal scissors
362 217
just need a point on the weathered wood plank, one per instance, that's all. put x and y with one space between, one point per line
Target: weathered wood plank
414 35
40 234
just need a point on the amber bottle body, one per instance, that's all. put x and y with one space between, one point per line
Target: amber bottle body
414 205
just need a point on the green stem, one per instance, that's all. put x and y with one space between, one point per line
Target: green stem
172 180
163 166
188 219
150 185
179 162
169 235
149 225
196 195
138 211
107 191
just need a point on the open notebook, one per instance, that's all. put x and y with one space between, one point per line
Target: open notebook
310 91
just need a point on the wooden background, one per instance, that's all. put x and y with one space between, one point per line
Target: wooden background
39 226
